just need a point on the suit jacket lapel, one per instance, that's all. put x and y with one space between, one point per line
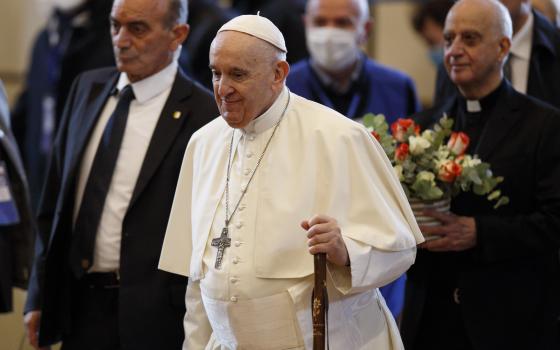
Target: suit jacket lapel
505 115
97 98
168 127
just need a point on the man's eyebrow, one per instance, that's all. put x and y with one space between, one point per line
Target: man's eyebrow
471 32
135 22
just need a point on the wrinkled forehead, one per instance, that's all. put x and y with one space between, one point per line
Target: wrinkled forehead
236 48
139 9
239 43
334 8
467 18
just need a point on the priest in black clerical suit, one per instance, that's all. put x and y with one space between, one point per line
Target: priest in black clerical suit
543 80
95 282
492 281
16 220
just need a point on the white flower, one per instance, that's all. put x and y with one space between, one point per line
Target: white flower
418 144
399 171
428 135
426 176
470 162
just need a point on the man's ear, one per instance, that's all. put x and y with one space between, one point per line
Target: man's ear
180 33
281 70
366 31
504 47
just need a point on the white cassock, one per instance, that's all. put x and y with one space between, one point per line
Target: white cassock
318 162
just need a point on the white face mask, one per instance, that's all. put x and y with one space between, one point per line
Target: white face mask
333 49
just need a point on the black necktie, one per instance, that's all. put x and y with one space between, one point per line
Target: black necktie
97 186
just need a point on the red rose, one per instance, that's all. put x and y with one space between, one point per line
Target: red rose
401 152
376 135
401 126
449 171
458 143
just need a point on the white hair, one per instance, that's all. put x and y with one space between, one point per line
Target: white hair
506 26
363 9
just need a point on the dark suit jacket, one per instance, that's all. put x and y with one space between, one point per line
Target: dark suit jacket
544 66
508 284
15 240
151 305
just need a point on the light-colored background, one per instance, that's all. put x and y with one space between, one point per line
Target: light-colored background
393 43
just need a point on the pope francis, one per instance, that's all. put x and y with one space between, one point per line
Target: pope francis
272 181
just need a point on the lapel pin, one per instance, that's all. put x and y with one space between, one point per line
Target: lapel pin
176 115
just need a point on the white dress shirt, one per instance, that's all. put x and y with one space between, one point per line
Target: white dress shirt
150 96
520 55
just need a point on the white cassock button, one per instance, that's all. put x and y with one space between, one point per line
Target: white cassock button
242 207
249 154
233 280
239 224
243 188
235 260
237 244
247 171
233 299
251 137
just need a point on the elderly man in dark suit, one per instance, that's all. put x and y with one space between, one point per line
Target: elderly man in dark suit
16 221
492 281
533 67
109 189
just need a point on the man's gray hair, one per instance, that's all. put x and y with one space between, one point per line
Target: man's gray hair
177 13
363 9
280 55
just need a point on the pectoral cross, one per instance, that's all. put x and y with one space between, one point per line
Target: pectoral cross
222 243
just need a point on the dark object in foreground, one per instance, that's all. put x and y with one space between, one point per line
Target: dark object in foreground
319 301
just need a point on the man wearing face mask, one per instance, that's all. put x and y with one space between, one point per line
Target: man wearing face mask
75 39
338 74
533 66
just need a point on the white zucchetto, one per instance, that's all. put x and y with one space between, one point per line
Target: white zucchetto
257 26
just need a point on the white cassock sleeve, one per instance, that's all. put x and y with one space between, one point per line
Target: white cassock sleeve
196 324
369 267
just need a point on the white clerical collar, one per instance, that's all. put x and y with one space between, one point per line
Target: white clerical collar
150 87
473 106
269 118
523 40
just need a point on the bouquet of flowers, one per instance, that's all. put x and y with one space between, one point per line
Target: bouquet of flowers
433 165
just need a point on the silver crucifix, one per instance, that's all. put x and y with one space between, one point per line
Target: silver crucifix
222 243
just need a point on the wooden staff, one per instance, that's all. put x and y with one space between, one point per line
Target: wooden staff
319 302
